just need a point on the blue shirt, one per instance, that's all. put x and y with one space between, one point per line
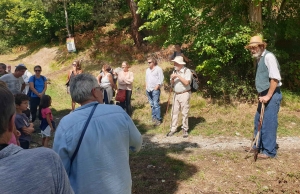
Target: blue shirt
34 171
39 84
102 162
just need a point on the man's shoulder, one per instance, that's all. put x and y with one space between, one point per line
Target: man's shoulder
6 76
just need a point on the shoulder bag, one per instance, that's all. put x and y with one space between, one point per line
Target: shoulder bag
81 136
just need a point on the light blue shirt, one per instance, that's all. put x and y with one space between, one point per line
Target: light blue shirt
102 162
154 77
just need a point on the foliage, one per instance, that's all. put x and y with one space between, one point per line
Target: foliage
217 31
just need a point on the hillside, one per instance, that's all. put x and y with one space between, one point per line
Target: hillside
217 133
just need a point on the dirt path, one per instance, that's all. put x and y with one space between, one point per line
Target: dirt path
218 143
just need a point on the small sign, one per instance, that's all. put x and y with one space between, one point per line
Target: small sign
71 45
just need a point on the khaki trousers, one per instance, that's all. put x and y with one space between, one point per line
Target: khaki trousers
181 102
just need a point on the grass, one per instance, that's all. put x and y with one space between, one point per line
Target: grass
180 170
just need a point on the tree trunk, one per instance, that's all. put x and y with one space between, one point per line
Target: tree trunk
255 15
67 20
136 23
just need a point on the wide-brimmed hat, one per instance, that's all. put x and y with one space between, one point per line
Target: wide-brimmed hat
179 60
255 41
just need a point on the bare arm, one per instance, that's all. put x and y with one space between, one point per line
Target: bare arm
28 130
99 78
273 86
45 87
182 80
49 121
110 78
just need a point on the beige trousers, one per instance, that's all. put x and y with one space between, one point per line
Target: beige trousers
181 102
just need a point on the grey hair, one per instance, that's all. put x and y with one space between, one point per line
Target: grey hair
7 110
81 87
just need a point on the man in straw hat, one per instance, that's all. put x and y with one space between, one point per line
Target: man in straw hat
267 82
180 79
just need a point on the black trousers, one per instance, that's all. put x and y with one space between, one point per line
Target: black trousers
34 104
127 103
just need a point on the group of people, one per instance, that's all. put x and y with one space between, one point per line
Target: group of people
111 82
92 143
27 101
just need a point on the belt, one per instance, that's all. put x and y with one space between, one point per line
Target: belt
182 92
265 92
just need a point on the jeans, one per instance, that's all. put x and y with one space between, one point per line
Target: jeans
268 135
153 98
34 104
127 103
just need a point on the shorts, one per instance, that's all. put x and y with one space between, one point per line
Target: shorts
46 132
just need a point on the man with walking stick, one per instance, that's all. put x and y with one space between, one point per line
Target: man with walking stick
180 79
267 82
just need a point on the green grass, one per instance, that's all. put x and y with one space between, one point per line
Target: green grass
205 118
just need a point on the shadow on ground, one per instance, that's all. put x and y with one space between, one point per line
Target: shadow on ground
154 170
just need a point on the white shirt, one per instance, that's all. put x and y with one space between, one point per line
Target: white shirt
154 77
178 85
271 63
26 77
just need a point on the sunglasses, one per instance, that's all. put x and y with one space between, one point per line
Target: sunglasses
36 70
150 62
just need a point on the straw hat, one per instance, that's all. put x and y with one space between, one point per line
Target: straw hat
255 41
179 60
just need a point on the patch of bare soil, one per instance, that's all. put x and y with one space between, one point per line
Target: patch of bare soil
43 57
205 165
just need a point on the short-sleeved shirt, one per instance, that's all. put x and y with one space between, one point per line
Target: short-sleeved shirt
14 84
46 111
36 171
39 84
178 85
20 122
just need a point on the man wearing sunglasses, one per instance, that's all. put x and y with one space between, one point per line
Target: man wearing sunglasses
267 82
14 81
154 80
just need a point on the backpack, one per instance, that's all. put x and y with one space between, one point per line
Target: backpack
194 81
29 90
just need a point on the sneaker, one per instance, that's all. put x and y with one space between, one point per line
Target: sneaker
157 123
185 134
170 134
154 120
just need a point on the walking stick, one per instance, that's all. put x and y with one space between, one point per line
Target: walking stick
256 141
170 92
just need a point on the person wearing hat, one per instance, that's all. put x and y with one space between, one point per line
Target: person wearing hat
14 81
267 83
180 80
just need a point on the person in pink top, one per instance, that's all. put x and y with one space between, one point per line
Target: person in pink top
47 124
125 80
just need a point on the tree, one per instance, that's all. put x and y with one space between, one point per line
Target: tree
136 23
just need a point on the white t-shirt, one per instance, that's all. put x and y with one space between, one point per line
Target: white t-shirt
14 84
26 77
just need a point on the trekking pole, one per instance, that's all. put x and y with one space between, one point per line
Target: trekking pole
256 141
170 92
